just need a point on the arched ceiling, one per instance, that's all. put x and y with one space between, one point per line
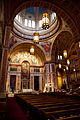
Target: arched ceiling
26 47
63 41
29 21
68 10
60 7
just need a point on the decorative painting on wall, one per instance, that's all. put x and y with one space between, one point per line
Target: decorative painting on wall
12 41
25 68
23 55
47 47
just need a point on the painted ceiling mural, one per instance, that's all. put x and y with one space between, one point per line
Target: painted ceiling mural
47 47
20 56
12 41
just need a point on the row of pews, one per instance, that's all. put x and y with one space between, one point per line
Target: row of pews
49 107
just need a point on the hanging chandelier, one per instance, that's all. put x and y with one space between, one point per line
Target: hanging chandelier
74 69
32 50
65 53
59 65
45 21
68 62
67 68
64 69
36 37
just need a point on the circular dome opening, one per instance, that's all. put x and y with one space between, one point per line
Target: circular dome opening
29 21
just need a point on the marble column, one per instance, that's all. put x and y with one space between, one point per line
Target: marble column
50 69
8 83
40 83
18 82
4 61
31 82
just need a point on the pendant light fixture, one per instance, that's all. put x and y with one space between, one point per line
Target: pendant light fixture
74 69
68 62
65 53
67 68
64 69
36 37
32 50
59 65
45 20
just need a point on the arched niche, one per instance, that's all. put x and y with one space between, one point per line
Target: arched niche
23 50
63 41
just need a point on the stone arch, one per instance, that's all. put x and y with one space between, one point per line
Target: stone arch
63 41
27 45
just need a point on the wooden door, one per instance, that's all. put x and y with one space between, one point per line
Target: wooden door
36 83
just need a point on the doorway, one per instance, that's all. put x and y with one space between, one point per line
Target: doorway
12 83
36 83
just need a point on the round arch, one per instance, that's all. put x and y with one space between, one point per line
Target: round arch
26 46
63 41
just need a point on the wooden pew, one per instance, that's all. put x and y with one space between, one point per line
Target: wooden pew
70 118
50 108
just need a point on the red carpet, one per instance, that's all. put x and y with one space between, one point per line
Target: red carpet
14 112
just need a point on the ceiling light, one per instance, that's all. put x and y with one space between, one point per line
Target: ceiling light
74 70
66 67
64 70
36 38
65 53
32 50
45 21
59 65
68 62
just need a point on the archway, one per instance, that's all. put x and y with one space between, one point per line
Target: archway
25 67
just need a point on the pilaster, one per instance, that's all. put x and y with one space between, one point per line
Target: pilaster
4 61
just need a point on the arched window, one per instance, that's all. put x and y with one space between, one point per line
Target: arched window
29 23
33 24
26 22
40 23
53 15
16 17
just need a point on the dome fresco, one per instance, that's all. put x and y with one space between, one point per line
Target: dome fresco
32 10
29 21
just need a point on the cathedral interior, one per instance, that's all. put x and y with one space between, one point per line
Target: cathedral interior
40 58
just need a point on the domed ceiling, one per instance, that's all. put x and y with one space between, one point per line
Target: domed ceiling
29 21
51 41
